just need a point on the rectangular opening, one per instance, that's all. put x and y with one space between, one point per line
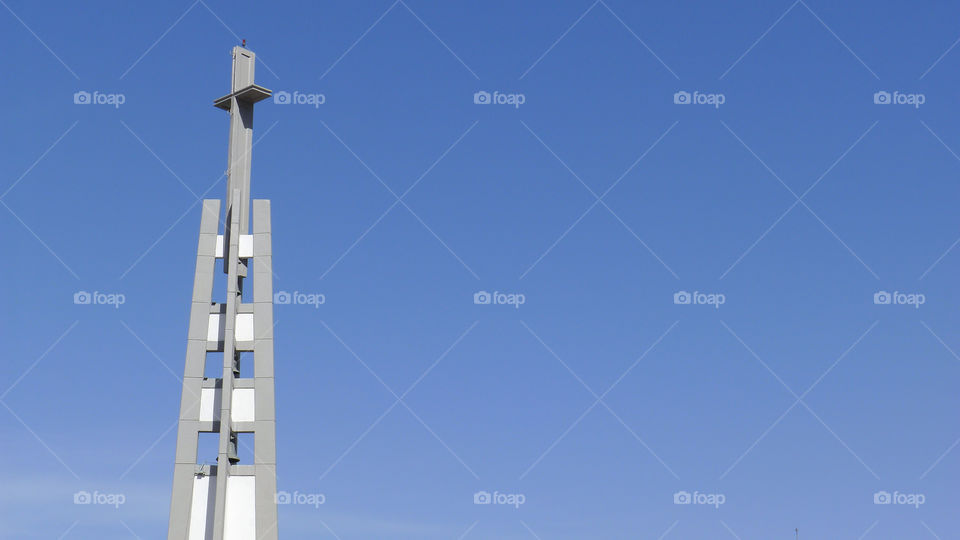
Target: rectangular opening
245 448
208 447
246 365
213 365
246 295
219 282
220 276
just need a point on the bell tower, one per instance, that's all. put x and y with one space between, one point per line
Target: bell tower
230 499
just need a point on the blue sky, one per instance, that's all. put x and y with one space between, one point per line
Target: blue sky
794 202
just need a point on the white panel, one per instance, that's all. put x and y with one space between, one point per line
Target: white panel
246 246
240 521
241 408
209 404
215 328
244 330
201 512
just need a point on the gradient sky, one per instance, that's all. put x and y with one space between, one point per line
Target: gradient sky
798 199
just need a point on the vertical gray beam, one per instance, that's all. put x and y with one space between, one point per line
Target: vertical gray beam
241 134
187 432
227 449
265 446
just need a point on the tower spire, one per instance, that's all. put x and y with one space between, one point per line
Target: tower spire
239 103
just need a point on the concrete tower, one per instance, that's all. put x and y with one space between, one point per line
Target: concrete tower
231 499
